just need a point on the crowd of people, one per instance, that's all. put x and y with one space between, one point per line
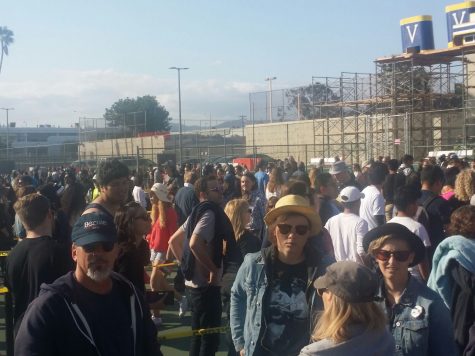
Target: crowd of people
374 260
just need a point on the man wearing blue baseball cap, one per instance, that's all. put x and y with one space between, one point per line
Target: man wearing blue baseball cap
92 310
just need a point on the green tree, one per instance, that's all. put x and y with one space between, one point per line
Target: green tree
143 113
6 39
312 98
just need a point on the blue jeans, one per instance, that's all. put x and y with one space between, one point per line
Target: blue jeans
206 312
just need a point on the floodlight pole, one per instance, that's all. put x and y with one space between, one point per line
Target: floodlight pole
179 69
270 79
8 125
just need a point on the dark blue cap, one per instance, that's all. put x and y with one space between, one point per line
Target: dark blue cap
92 228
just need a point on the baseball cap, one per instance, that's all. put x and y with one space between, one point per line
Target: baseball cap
338 167
352 282
350 194
92 228
161 192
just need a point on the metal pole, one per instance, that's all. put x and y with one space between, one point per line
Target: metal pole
179 69
270 79
8 126
242 123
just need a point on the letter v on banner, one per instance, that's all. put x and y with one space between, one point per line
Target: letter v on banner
412 34
457 20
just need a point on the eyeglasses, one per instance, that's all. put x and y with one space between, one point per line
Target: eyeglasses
118 182
400 256
299 229
106 247
217 189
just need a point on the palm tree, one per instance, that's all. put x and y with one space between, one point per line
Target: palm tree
6 39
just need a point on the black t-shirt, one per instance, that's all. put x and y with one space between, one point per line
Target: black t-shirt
131 264
234 257
32 262
287 312
109 319
389 187
438 210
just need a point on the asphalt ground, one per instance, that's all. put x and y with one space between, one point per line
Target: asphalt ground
172 323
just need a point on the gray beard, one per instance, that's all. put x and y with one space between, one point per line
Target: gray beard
99 275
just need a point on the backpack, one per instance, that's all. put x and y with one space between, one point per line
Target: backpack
422 216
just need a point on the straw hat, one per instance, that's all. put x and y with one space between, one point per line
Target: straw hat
161 192
295 204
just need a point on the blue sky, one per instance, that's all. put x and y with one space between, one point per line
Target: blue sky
75 58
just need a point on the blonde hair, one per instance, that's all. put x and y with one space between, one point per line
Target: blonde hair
235 210
312 175
154 213
162 213
336 319
464 185
378 243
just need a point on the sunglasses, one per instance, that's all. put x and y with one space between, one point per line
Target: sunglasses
216 189
106 246
400 256
299 229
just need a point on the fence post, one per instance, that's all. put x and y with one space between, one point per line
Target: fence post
10 341
225 153
137 161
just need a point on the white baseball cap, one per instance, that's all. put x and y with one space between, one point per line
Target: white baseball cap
161 192
350 194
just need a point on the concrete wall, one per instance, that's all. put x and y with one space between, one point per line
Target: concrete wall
357 138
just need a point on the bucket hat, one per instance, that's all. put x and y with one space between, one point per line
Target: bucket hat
161 192
397 231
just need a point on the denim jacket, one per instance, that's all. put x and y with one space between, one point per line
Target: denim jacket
420 323
249 288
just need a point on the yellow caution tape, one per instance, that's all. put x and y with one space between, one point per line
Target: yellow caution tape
3 290
189 333
166 264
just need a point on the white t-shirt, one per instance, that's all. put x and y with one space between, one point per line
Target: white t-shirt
139 196
418 229
347 231
371 205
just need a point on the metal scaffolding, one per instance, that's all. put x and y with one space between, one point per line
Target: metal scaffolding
413 103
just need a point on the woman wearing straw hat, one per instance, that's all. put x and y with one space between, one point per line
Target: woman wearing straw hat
418 318
272 299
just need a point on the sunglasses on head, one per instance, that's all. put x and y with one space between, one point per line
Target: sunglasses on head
400 256
106 246
299 229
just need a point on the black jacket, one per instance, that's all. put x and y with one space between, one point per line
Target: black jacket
55 325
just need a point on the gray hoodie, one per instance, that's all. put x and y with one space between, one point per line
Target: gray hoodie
362 343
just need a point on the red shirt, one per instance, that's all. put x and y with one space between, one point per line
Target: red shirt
159 237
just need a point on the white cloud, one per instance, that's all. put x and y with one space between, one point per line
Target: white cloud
63 95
